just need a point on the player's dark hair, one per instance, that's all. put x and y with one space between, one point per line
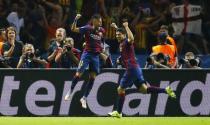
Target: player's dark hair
96 16
165 27
121 30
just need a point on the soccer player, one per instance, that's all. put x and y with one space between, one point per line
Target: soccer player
90 57
133 73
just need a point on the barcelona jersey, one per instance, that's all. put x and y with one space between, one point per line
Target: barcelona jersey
93 38
128 54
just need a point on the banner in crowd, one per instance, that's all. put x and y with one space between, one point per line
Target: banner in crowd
41 93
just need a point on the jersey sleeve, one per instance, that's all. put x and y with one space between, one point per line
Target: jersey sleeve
84 29
102 30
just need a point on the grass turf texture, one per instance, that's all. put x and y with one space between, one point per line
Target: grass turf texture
104 121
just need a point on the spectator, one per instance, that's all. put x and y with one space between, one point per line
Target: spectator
56 14
35 31
186 21
29 59
3 14
170 41
113 12
157 61
141 23
16 17
2 40
190 61
166 49
69 56
12 49
55 47
53 18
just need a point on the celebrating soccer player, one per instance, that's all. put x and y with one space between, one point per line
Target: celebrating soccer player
93 37
133 73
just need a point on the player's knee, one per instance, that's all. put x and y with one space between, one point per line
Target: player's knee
78 75
120 90
143 89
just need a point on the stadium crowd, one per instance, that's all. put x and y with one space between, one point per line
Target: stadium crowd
37 33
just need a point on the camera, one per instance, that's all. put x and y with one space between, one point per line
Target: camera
187 63
183 61
157 61
29 55
68 47
160 57
68 43
150 60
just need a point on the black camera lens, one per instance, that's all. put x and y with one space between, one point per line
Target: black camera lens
182 61
29 56
68 48
193 62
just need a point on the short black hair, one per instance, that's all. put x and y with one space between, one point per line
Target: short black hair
96 16
162 36
122 30
165 27
2 30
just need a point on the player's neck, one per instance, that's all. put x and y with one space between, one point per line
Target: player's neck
95 27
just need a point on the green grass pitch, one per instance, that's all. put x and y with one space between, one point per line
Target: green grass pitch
104 121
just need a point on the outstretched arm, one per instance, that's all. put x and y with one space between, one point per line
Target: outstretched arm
74 27
129 33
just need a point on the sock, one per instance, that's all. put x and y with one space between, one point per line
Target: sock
153 89
121 99
88 87
74 82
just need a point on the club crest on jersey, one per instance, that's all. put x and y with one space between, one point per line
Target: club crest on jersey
95 37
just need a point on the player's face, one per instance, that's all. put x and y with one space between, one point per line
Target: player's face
120 36
97 22
60 34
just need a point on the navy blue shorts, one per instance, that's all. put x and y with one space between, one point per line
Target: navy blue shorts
91 60
132 76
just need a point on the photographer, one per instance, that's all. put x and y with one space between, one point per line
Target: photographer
56 46
166 49
28 58
157 61
190 61
68 56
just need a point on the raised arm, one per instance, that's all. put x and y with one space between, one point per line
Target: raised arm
114 26
9 52
74 27
129 33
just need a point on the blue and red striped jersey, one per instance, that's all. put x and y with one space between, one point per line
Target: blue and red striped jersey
93 38
128 54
